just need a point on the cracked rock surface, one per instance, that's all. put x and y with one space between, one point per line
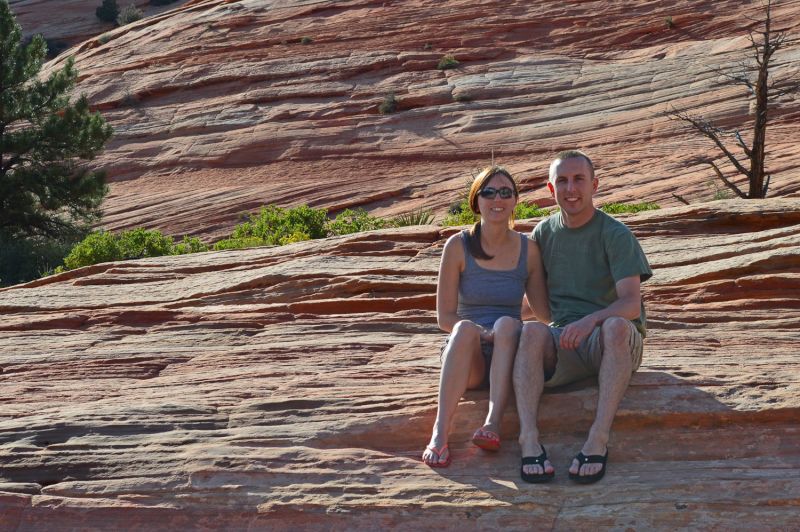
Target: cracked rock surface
295 387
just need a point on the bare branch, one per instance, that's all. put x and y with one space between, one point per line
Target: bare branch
740 140
707 129
766 186
681 199
722 177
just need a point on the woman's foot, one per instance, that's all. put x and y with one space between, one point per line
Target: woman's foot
436 456
487 438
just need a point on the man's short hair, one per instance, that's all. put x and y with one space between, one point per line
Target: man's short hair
569 154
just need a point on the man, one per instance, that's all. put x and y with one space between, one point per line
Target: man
594 267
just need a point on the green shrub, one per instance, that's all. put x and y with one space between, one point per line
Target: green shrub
389 104
447 62
239 243
621 208
525 210
274 224
417 217
99 246
669 23
306 40
354 221
140 243
460 214
189 245
108 11
129 14
104 38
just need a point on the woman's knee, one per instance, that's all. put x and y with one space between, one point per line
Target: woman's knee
506 325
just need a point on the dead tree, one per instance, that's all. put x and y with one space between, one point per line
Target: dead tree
754 76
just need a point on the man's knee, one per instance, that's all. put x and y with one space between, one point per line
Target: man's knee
534 333
616 334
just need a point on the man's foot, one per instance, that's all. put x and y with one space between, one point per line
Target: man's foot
542 468
487 438
593 447
538 461
590 460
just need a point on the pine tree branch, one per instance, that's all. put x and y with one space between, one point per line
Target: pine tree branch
740 140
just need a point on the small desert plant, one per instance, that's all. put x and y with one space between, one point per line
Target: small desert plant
306 40
525 210
354 221
104 38
448 61
189 245
129 14
277 226
417 217
621 208
461 97
459 214
389 104
669 23
107 11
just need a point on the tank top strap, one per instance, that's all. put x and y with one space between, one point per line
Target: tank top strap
469 260
522 264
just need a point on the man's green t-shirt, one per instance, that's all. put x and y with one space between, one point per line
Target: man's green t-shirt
584 264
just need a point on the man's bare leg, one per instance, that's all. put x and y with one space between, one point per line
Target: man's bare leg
615 373
535 353
506 338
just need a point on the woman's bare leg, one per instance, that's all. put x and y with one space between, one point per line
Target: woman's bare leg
462 368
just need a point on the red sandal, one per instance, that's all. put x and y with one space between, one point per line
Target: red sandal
486 440
438 453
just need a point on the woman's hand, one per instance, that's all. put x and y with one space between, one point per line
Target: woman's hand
487 335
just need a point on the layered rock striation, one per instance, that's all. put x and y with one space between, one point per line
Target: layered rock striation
220 107
295 386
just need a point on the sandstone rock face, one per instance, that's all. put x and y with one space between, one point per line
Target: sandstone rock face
295 386
72 21
219 106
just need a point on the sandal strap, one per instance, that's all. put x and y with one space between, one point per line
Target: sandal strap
535 460
591 459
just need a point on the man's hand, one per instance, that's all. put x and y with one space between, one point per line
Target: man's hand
487 335
576 332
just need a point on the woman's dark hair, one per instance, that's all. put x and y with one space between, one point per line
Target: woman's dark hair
474 235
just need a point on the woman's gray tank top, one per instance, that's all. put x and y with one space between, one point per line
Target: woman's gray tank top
486 295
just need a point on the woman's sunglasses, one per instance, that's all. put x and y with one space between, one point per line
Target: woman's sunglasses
491 192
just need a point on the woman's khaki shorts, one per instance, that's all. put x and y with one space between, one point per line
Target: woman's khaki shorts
577 364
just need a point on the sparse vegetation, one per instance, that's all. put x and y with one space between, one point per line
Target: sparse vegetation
389 104
306 40
447 62
108 11
104 38
669 23
129 14
355 221
102 246
417 217
623 208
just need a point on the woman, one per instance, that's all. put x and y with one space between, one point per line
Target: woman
484 273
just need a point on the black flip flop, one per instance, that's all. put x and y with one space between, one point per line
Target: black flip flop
591 459
536 478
